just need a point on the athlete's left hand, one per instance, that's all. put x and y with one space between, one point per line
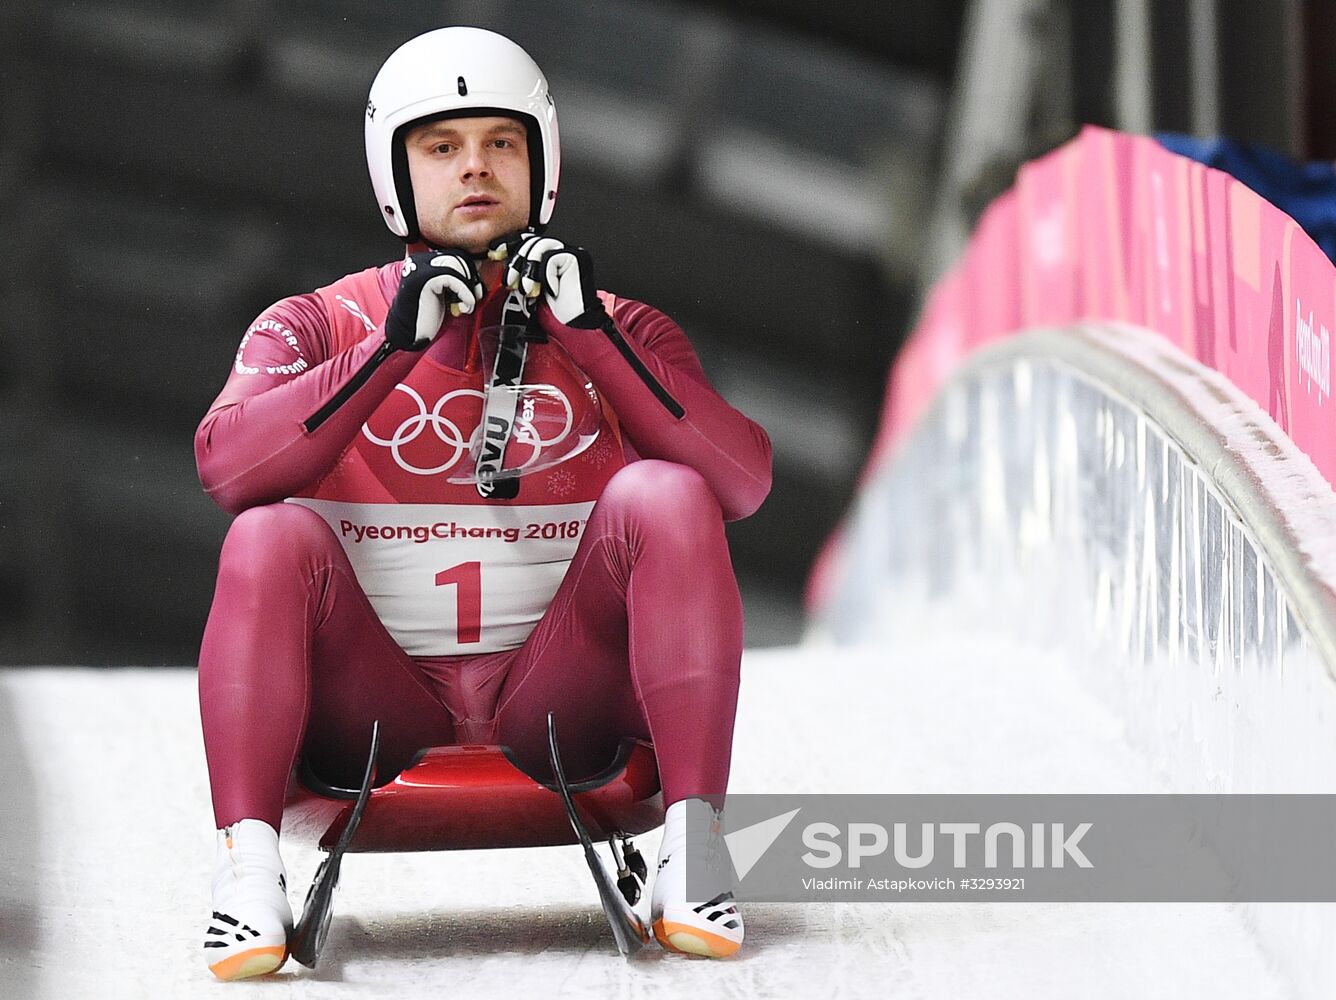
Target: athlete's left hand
562 275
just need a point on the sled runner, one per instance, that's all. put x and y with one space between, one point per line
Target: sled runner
470 797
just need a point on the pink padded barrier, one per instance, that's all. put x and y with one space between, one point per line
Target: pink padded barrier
1115 227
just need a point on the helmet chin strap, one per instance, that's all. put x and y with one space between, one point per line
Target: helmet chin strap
500 249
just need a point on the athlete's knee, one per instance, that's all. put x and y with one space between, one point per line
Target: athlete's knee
263 539
667 492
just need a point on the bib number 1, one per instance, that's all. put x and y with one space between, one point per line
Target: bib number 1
467 580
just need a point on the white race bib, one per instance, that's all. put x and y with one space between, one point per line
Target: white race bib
452 579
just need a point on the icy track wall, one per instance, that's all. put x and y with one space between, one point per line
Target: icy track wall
1113 432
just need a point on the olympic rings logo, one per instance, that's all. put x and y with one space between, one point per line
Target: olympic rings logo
450 435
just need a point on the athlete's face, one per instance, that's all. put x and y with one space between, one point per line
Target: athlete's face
470 180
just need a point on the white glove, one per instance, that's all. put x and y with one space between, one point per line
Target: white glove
434 283
563 275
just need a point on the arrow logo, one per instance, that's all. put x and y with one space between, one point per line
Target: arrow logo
746 846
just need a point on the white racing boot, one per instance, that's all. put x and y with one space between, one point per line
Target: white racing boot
248 934
691 838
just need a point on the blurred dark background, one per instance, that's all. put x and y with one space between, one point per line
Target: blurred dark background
783 178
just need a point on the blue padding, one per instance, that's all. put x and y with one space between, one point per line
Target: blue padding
1306 192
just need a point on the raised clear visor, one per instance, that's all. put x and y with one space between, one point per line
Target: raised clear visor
547 431
550 415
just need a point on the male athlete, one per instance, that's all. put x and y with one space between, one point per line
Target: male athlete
375 571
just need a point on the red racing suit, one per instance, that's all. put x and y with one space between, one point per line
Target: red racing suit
456 580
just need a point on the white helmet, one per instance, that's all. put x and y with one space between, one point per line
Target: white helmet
453 72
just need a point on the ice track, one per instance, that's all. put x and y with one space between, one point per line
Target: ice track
106 847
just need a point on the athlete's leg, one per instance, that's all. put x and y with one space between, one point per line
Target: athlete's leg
643 638
295 659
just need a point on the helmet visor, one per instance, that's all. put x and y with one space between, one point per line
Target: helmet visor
549 424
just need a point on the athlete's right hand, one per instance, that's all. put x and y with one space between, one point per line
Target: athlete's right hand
436 283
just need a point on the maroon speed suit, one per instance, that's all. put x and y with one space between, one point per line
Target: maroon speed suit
359 582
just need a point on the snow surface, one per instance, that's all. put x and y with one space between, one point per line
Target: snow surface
106 846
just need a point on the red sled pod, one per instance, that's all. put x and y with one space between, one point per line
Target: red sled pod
470 797
462 798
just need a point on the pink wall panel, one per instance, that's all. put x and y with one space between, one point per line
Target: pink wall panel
1112 226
